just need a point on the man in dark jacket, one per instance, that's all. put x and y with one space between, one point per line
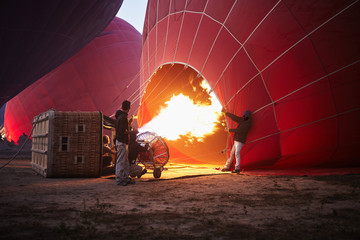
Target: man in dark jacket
123 129
241 131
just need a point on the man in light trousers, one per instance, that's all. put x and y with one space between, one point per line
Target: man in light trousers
123 129
240 134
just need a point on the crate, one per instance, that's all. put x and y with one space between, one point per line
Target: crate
67 144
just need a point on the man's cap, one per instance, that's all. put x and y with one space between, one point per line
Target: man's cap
247 114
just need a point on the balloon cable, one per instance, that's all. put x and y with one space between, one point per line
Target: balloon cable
22 146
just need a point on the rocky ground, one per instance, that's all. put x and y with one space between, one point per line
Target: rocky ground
215 206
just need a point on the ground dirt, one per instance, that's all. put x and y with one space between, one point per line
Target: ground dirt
215 206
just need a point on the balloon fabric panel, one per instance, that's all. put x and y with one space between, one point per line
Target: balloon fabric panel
196 6
272 37
345 86
345 43
219 52
237 74
315 103
161 30
187 36
218 12
172 37
245 16
205 37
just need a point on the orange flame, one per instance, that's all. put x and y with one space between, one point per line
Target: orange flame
183 117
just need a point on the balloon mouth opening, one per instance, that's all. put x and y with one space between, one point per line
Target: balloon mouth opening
179 105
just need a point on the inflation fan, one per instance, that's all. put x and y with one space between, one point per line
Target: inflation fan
158 154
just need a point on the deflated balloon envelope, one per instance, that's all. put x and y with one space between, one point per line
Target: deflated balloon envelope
37 36
294 64
98 78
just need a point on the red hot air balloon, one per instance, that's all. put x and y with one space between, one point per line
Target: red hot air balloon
37 36
294 64
98 78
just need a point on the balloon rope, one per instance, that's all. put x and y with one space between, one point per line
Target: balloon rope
158 83
163 89
22 146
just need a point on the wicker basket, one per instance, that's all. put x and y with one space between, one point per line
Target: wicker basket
67 144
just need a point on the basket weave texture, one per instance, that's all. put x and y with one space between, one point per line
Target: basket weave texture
67 144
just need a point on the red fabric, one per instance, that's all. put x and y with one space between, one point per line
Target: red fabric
98 78
294 64
186 37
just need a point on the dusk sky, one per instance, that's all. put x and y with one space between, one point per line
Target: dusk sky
133 11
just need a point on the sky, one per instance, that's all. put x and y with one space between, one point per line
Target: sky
133 11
